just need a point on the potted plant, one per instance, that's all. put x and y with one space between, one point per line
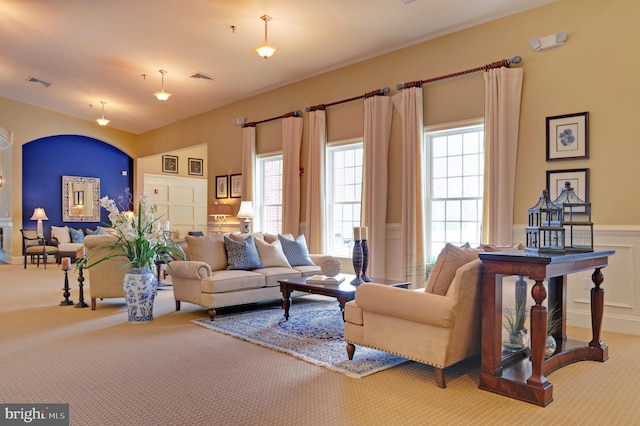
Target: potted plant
139 239
514 335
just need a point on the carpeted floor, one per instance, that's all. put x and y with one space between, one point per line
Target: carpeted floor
170 372
314 333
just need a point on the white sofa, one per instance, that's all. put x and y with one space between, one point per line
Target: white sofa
205 280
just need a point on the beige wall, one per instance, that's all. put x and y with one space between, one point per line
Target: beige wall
594 71
580 76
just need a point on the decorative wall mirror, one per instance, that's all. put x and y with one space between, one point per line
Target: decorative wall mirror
80 199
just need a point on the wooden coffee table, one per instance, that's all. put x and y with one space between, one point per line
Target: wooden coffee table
344 291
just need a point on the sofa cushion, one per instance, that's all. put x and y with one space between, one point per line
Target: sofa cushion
242 254
274 274
444 270
77 236
97 231
61 233
296 250
231 280
209 250
271 254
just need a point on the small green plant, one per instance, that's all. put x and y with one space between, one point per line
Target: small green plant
514 321
428 267
553 325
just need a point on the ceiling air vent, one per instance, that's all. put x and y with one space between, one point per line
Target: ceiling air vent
6 139
200 76
37 80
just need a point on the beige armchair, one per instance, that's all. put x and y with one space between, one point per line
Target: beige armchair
439 330
105 278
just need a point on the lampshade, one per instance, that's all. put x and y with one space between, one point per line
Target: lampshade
101 120
246 210
162 95
264 49
39 214
220 210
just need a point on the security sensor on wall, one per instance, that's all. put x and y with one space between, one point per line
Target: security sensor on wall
238 121
548 42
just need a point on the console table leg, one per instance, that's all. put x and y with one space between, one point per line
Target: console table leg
538 334
597 311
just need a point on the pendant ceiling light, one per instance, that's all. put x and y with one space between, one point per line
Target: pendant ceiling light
265 50
103 121
162 95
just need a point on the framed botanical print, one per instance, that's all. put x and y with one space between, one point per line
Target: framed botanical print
568 136
222 186
235 186
195 166
169 164
577 178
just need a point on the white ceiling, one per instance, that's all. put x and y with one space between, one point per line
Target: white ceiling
92 51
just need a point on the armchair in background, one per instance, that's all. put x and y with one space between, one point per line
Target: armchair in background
36 247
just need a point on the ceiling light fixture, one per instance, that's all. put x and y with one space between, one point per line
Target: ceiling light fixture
103 121
162 95
265 50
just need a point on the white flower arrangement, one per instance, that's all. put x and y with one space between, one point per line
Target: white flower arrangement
140 238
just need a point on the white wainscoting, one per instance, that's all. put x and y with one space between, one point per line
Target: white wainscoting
181 200
621 278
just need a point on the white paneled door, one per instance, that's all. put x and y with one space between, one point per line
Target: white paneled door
182 201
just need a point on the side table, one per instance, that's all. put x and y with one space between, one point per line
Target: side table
517 375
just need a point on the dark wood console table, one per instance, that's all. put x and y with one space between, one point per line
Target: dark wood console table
518 375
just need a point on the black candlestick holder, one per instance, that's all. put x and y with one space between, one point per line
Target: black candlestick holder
66 294
81 303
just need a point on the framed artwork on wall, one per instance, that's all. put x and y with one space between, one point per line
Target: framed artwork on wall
222 187
578 178
195 166
169 164
236 186
568 136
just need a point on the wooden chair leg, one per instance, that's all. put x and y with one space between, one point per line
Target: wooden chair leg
351 350
177 305
93 303
439 372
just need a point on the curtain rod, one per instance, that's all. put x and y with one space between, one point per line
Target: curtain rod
297 113
379 92
498 64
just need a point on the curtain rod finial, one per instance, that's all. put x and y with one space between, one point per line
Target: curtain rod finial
515 60
399 86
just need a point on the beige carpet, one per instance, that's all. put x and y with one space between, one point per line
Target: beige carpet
171 373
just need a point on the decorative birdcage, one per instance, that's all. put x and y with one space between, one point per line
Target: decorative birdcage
576 221
544 231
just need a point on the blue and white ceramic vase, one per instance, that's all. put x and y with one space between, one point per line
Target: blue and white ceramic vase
365 261
139 286
357 259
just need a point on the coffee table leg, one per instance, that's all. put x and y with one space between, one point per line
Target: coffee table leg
342 300
286 302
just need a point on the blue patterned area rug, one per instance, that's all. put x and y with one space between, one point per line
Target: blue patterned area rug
314 333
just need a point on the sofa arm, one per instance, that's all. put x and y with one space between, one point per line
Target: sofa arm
189 269
411 305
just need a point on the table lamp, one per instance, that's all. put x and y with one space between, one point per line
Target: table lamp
246 213
39 215
219 212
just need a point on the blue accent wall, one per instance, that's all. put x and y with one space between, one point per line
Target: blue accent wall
46 160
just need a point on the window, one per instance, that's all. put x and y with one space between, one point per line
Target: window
455 170
269 194
344 195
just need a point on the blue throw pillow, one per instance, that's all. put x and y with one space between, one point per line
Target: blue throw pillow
98 231
242 254
296 251
77 236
